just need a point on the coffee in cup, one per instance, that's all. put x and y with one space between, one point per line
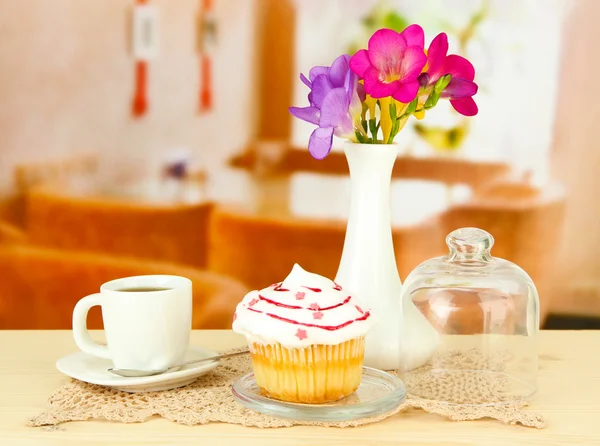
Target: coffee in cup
147 321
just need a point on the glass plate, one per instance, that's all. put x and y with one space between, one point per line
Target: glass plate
378 393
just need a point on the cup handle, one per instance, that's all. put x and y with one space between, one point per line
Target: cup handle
80 331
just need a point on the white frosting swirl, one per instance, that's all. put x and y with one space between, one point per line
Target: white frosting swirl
305 309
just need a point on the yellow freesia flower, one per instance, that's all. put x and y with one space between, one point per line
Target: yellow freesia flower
419 115
371 104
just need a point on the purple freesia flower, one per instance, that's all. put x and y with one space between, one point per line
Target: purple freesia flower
335 104
461 87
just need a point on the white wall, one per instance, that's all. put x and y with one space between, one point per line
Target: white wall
66 81
576 154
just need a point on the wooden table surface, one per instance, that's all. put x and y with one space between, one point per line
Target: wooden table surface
568 398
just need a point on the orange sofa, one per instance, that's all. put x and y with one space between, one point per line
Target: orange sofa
167 232
39 287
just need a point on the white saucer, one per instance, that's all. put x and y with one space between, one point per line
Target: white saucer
94 370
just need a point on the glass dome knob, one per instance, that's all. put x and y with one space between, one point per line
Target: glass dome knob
470 244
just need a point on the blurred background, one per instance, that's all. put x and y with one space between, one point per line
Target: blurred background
148 136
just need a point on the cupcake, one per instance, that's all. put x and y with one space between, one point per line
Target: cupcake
306 338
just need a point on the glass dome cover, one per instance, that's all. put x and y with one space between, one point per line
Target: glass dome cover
485 311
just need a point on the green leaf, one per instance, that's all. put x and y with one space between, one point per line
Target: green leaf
396 127
361 139
393 111
373 127
432 100
429 102
411 107
369 21
395 21
394 131
442 83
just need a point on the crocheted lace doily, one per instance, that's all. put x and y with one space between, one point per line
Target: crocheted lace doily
209 400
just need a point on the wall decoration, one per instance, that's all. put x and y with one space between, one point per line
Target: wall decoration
145 48
207 36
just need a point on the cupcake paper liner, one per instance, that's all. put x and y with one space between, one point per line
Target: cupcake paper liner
313 374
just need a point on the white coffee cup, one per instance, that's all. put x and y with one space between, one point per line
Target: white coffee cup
147 321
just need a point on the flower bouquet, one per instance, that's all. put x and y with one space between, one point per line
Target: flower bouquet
368 97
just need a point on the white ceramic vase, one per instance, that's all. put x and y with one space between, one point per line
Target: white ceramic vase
368 265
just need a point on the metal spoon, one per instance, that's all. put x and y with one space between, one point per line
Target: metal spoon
131 373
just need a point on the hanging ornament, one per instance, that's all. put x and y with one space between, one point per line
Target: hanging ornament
207 36
145 48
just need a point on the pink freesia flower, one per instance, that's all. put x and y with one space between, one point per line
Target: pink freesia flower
461 87
392 64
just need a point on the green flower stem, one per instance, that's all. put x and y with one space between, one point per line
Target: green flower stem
430 102
365 125
360 132
402 109
373 127
396 127
395 123
361 139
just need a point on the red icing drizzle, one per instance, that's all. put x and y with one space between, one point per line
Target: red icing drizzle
322 327
317 314
337 305
279 304
312 306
